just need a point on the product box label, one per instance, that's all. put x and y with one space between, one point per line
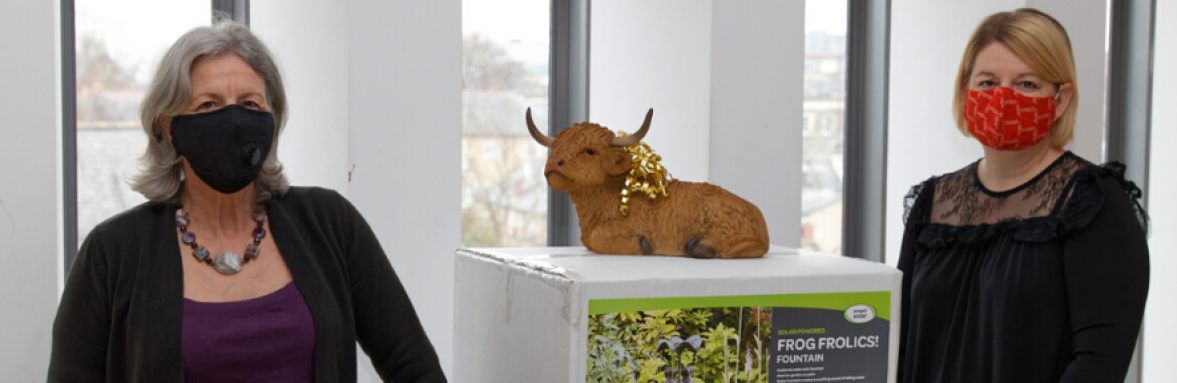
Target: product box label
783 338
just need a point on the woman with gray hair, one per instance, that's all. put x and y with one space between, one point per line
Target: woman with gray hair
229 273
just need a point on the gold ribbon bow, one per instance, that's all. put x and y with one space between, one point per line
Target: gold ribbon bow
646 174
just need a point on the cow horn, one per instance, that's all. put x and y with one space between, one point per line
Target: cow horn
636 136
539 137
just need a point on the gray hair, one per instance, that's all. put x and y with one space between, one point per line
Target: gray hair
161 178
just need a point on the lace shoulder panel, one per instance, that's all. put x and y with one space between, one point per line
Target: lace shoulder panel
1067 196
963 199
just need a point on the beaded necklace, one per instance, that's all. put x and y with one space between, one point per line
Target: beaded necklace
225 263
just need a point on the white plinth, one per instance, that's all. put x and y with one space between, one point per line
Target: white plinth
521 314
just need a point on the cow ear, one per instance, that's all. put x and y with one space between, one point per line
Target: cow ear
620 160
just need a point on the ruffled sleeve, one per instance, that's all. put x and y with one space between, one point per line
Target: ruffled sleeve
917 204
1090 188
916 209
1106 272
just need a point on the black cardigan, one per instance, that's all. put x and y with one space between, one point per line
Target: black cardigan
120 315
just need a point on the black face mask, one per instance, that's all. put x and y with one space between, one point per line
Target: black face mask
226 147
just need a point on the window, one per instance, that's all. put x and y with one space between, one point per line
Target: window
505 50
824 108
117 48
465 159
492 151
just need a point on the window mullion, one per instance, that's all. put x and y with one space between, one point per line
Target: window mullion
569 90
865 166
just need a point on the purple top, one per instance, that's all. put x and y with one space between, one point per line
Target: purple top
265 339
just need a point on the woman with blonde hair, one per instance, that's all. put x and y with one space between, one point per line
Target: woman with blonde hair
1030 264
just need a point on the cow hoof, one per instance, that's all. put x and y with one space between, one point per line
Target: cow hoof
703 251
689 248
694 249
646 249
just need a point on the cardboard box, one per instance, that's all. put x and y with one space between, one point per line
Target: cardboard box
524 315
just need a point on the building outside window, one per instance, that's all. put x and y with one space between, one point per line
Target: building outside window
824 108
118 46
505 53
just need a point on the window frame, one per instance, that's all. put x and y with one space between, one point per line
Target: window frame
69 134
238 10
1131 28
864 185
568 95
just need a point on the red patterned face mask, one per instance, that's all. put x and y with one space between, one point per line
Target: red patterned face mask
1004 119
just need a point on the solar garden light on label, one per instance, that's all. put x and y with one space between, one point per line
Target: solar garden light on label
680 373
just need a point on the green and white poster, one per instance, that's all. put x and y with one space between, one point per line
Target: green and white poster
783 338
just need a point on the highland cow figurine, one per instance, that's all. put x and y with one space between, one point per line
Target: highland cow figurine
701 220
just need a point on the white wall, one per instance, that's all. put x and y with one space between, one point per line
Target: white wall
757 62
1086 24
923 139
309 38
725 81
30 167
405 96
655 54
1160 336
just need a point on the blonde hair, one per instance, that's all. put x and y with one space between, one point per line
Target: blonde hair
1038 40
161 177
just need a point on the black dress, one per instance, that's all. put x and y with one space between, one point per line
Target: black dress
1045 282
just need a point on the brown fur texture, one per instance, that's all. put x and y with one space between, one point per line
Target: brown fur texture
697 219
